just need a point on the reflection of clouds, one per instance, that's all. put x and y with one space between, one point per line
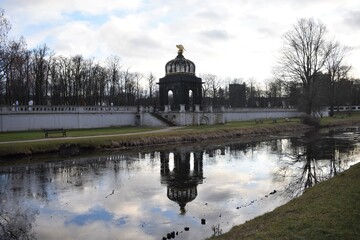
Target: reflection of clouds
147 205
93 215
122 197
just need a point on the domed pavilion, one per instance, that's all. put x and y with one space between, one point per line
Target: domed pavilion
180 86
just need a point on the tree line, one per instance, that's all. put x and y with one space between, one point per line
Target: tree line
311 73
41 76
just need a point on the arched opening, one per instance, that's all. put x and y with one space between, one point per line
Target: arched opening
191 100
170 98
204 120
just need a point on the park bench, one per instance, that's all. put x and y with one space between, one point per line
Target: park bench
54 130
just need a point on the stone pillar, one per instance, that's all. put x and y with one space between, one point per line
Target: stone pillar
182 115
197 108
167 108
182 107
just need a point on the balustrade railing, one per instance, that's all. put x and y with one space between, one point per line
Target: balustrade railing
64 109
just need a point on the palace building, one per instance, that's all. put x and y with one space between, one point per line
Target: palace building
180 86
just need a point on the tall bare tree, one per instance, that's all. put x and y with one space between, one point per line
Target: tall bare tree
336 68
210 87
4 29
114 67
304 56
137 78
40 67
151 82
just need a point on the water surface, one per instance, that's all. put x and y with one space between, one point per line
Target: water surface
185 192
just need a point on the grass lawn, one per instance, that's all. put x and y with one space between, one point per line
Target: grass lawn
31 135
329 210
339 118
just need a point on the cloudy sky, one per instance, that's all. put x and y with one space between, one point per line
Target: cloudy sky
229 38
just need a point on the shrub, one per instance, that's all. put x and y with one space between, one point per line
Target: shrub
310 120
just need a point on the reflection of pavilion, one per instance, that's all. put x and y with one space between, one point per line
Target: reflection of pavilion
183 179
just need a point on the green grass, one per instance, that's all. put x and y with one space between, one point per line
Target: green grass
340 118
243 124
27 148
329 210
31 135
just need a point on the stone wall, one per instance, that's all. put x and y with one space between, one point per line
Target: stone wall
21 118
242 114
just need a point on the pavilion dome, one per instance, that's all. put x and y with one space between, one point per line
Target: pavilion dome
180 64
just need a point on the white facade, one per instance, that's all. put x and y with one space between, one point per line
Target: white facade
23 118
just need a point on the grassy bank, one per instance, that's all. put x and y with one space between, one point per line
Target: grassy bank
329 210
130 137
33 135
148 138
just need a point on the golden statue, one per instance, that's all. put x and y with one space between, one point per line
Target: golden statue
181 49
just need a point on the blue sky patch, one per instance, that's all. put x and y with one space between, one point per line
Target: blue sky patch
94 215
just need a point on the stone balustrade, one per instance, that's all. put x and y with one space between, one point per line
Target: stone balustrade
64 109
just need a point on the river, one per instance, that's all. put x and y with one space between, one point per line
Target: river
175 192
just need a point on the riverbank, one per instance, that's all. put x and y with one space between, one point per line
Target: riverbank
78 141
329 210
176 135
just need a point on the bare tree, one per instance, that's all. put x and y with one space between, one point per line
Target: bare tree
336 68
304 56
210 87
151 81
137 78
114 67
4 29
40 65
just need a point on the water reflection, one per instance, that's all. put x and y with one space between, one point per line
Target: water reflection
183 179
16 221
314 158
138 195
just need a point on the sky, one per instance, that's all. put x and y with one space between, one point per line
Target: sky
229 38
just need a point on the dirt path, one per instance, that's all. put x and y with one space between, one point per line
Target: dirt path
168 129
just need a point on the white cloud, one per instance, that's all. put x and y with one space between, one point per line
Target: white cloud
228 38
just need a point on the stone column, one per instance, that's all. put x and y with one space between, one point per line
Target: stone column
182 107
197 108
182 115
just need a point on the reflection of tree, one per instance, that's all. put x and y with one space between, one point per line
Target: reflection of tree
16 221
181 181
40 181
315 160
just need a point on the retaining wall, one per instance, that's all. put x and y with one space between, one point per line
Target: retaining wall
20 118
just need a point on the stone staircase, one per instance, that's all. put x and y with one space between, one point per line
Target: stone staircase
161 118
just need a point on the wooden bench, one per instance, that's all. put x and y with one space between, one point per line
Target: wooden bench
54 130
